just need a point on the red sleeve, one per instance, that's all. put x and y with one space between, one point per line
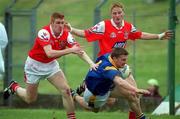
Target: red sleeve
71 45
43 37
135 35
92 36
43 42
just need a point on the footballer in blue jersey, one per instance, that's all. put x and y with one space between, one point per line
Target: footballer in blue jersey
99 83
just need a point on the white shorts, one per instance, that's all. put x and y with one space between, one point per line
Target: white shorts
35 70
95 101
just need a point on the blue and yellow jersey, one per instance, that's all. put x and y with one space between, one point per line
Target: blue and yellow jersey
100 81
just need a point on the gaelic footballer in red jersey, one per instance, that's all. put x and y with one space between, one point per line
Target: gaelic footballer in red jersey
51 43
47 37
111 36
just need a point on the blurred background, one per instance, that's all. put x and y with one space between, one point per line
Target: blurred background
148 59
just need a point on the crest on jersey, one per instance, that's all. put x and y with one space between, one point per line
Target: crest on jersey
113 35
44 35
62 44
126 34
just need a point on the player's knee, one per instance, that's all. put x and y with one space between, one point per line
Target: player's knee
66 92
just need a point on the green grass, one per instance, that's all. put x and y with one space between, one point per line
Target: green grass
151 56
60 114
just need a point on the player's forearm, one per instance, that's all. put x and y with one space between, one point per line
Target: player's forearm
149 36
59 53
165 35
78 32
86 58
128 86
56 53
123 83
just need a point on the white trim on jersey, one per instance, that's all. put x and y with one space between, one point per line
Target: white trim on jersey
70 38
133 28
99 27
43 34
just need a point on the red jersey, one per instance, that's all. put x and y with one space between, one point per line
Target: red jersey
46 37
110 36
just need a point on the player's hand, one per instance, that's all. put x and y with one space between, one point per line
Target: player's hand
93 67
76 49
68 26
166 35
142 91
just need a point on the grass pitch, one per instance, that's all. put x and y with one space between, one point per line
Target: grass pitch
61 114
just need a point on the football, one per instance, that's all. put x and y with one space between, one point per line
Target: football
125 71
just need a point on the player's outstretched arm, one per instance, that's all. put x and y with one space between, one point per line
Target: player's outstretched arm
123 83
78 32
75 31
58 53
165 35
87 59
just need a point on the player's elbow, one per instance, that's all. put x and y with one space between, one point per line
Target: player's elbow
50 54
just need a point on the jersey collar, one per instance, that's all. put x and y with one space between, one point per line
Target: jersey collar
112 22
112 62
54 34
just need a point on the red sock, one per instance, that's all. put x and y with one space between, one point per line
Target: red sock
132 115
14 86
71 115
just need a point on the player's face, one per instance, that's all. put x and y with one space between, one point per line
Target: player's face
57 26
117 15
121 61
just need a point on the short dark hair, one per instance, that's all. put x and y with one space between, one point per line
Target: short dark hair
116 52
56 15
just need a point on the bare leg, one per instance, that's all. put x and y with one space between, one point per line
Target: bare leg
81 102
132 99
131 80
29 94
60 82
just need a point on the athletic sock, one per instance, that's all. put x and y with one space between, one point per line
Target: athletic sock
132 115
14 87
142 116
71 115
